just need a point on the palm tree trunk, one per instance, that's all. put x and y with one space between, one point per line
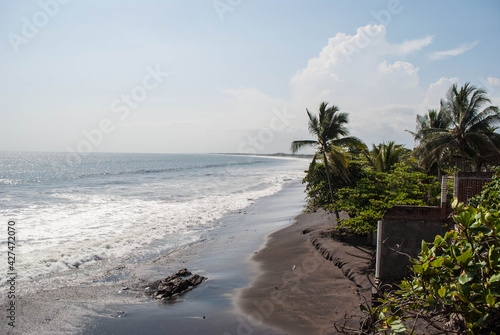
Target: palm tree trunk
329 178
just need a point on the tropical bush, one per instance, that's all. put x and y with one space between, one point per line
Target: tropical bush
455 286
367 201
383 157
317 188
490 195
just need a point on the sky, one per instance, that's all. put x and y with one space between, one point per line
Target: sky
202 76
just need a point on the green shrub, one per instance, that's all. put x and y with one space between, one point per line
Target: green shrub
490 194
318 192
455 286
367 201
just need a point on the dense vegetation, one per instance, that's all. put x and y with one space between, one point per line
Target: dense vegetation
330 130
455 287
345 175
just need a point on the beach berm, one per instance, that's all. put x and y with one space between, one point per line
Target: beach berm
309 282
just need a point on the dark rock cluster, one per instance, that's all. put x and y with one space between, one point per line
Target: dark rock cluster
175 284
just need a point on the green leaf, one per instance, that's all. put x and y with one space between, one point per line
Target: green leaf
490 300
438 240
461 297
493 256
450 235
473 308
476 287
418 269
465 277
482 229
482 320
495 290
398 327
404 285
494 278
425 249
466 218
464 290
437 263
464 258
442 292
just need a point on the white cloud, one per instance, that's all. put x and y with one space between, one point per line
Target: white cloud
453 52
398 66
409 46
360 74
399 73
391 123
492 81
435 92
492 85
354 72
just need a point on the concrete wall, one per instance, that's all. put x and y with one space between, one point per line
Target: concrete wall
403 228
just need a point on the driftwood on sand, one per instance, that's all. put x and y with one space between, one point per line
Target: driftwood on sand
175 284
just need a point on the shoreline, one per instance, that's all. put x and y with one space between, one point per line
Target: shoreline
233 257
121 306
308 282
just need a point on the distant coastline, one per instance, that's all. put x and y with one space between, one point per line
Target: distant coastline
278 154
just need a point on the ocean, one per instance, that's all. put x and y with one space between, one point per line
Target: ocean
114 208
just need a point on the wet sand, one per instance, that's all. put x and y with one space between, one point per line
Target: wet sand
265 276
106 307
308 281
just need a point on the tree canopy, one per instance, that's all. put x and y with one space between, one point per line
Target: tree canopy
462 131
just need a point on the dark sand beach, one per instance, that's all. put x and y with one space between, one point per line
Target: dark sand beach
265 276
308 282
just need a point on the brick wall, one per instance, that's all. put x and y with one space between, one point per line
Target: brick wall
470 184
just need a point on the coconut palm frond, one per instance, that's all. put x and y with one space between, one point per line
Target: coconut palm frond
328 126
460 128
339 162
297 145
383 156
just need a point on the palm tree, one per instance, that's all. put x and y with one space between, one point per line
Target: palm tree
433 119
329 128
489 157
383 156
470 136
